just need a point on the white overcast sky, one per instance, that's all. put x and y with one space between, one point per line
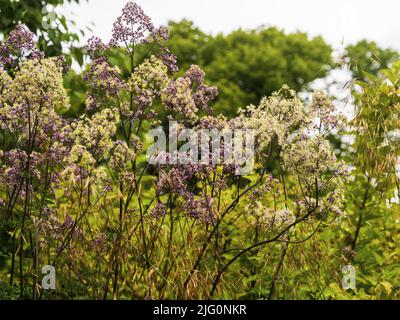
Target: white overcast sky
338 21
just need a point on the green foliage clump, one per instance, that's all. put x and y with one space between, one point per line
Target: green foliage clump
248 65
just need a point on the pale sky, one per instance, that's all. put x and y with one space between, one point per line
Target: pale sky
338 21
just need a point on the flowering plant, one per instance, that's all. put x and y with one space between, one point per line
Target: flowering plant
79 193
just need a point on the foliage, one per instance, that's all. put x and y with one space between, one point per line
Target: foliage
55 39
373 195
247 65
366 57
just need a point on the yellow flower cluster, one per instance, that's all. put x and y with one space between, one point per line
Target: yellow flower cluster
309 157
177 97
105 77
93 136
39 84
121 156
5 108
150 77
275 116
31 101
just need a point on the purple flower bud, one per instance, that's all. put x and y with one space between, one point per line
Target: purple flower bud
195 74
169 60
95 48
132 27
159 210
19 45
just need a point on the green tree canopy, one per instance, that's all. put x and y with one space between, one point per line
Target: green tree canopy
247 65
367 57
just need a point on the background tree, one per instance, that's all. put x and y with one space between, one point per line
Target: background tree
366 57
